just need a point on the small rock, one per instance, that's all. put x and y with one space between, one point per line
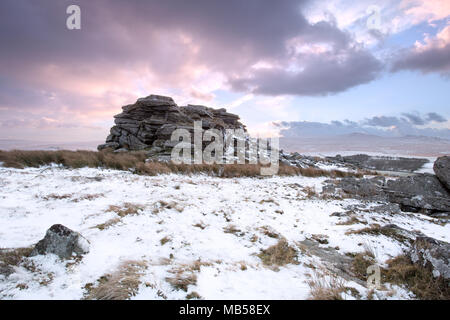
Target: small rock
61 241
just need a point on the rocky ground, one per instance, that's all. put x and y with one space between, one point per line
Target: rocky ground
203 237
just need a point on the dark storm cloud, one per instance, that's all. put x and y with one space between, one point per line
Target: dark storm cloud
321 75
126 31
169 37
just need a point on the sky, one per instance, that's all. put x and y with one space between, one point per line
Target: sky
287 66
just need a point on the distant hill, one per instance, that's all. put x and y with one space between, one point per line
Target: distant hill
366 143
43 145
325 145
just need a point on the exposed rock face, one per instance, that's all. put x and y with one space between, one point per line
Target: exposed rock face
359 188
365 188
150 121
61 241
418 193
442 170
432 254
364 161
422 192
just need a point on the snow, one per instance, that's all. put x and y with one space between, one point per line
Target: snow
428 167
174 207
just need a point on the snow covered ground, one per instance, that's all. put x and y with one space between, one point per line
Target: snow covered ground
203 228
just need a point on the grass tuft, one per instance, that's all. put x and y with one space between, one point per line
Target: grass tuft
120 285
326 287
10 258
279 254
419 280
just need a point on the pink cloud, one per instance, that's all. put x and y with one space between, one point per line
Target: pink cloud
426 10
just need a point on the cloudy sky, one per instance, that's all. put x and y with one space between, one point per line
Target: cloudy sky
337 66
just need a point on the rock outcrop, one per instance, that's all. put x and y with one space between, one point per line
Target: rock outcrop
382 163
422 193
442 170
362 187
61 241
149 123
433 255
416 193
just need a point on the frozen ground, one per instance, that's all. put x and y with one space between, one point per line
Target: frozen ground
191 227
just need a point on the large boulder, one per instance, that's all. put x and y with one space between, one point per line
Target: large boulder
442 170
151 120
433 255
61 241
421 193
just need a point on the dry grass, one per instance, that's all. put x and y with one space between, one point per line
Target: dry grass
162 204
182 281
122 211
351 220
279 254
419 280
107 224
310 192
361 261
159 292
185 275
200 225
10 258
72 197
320 238
72 159
126 209
193 295
135 161
268 231
326 286
233 230
88 197
54 196
164 240
120 285
377 230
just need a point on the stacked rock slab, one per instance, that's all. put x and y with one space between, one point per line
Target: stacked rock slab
149 123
